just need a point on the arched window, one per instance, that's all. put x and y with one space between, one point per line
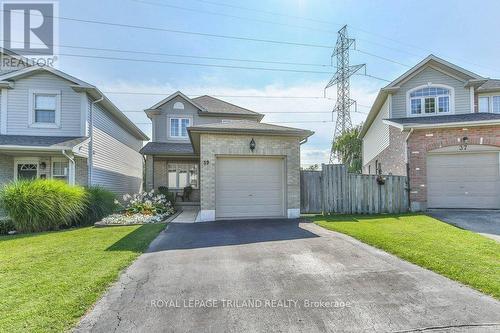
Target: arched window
430 100
178 106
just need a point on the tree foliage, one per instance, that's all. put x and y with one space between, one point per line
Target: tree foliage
348 148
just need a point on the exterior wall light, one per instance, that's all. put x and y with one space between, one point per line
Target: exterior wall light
252 145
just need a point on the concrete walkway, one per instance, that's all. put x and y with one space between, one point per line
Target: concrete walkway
484 222
188 215
282 276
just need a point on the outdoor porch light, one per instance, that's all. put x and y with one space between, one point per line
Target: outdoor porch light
465 139
43 165
252 145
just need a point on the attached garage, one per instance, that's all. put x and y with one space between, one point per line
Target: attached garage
250 187
248 170
463 180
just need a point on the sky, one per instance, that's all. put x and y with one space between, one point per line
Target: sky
391 36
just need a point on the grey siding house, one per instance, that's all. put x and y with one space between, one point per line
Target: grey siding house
237 166
439 125
50 122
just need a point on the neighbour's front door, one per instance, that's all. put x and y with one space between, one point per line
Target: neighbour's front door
27 171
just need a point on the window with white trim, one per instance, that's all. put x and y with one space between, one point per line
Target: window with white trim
178 106
60 169
181 175
430 100
484 104
44 108
495 104
178 127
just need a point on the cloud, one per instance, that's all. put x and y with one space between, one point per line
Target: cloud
313 113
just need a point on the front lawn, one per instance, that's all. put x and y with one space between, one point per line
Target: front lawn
458 254
49 280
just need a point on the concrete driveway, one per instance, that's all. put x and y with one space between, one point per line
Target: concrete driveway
484 222
282 276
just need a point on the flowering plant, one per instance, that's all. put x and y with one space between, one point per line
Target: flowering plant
147 203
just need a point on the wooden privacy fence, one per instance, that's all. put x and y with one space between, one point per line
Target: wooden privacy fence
334 190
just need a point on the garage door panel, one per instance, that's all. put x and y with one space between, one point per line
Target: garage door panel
463 180
249 187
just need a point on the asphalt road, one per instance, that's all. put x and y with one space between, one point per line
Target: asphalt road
281 276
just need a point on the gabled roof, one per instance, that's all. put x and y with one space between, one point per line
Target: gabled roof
218 106
79 85
430 61
438 63
174 95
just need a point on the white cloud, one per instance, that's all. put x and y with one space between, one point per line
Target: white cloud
281 111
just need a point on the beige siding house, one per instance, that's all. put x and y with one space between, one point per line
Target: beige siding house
51 121
237 166
438 124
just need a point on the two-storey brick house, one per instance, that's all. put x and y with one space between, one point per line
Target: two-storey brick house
237 166
438 124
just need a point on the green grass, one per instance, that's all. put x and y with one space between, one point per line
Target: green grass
49 280
455 253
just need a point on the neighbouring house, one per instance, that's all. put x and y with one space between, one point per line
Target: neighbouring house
237 166
438 124
51 121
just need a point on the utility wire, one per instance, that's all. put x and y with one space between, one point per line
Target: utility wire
232 16
184 32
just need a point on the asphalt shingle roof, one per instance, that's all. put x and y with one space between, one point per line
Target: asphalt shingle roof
155 148
41 141
247 125
443 119
491 84
214 105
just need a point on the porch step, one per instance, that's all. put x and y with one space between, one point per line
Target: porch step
187 204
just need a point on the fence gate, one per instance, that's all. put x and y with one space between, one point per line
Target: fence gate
334 190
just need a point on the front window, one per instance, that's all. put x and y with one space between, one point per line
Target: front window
45 108
496 104
178 127
181 175
430 100
28 171
484 104
59 170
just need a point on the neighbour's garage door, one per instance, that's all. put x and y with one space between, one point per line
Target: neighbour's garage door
249 187
463 180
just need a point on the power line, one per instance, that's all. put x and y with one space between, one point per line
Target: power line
231 16
184 32
268 112
383 58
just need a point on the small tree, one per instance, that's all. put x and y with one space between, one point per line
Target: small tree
348 148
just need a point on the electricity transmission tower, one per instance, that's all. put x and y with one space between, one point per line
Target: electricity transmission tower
341 78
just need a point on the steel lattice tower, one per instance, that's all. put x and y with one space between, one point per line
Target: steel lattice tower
341 78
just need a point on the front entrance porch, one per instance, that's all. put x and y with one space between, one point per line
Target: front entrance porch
176 174
40 165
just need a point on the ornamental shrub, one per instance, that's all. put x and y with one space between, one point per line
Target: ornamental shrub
100 203
42 204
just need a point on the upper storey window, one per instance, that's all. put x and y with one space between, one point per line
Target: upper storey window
430 100
178 127
44 108
178 106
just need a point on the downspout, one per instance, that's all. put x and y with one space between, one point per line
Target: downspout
72 169
91 141
408 166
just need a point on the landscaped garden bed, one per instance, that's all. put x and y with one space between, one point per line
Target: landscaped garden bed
140 208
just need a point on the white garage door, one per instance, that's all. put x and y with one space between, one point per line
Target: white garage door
249 187
464 180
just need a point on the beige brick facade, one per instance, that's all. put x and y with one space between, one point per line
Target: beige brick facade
425 140
213 145
392 159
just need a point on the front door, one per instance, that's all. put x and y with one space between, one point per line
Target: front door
27 171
